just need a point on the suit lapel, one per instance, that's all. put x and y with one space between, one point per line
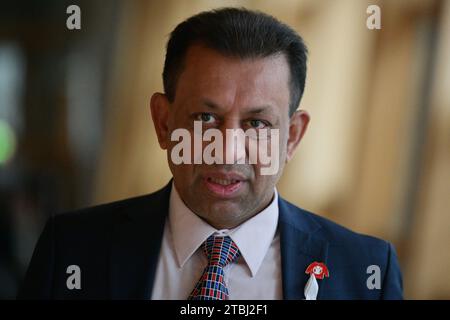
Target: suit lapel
135 245
299 248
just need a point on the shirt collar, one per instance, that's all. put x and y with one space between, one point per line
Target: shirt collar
253 237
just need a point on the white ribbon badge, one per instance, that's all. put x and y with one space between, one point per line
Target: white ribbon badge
311 288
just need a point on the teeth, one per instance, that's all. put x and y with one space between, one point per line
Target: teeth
223 182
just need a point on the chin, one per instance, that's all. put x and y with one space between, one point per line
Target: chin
226 218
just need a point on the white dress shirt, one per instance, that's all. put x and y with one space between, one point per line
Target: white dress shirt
256 274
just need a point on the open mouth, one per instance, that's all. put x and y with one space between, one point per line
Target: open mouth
222 182
223 187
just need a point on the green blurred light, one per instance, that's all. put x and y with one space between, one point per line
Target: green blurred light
7 142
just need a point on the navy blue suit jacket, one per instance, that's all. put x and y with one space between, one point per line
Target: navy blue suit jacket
117 247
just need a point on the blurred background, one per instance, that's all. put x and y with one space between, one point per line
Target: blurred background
75 127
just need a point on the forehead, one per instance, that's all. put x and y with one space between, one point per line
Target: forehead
232 81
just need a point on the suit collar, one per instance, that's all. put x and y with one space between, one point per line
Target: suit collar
135 245
300 246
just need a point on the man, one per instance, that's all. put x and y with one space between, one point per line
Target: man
219 229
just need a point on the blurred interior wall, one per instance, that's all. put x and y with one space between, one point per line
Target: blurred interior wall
366 161
429 255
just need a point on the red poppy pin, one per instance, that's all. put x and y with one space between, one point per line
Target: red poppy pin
318 269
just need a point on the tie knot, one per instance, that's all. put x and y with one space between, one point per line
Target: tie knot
220 250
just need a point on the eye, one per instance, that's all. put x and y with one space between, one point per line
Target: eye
205 117
258 124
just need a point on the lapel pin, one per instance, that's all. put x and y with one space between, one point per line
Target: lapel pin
316 270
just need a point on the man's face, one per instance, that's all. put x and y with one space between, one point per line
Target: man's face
228 93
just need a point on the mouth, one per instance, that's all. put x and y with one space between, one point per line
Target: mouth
223 185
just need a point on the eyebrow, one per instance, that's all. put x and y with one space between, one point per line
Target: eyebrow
252 110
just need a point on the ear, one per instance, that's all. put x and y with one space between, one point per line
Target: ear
297 128
159 106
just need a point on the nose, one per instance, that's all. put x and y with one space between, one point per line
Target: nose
234 144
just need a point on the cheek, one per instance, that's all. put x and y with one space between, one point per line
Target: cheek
284 140
262 182
183 173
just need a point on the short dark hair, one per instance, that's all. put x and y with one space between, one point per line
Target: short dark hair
237 32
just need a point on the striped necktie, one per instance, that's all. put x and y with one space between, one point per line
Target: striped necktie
220 251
